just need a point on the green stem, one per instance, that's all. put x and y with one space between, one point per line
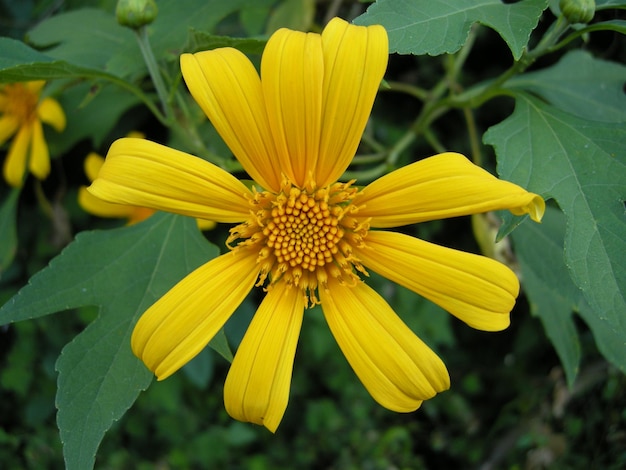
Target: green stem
364 159
483 92
366 175
414 91
433 141
475 146
153 70
370 141
551 37
434 106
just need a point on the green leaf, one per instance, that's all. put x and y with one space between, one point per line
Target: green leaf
605 4
439 26
92 38
294 14
89 38
20 62
92 113
176 17
618 26
203 41
8 229
124 271
253 16
581 164
200 369
581 85
553 296
551 293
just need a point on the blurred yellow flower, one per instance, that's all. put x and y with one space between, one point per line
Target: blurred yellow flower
303 236
22 112
96 206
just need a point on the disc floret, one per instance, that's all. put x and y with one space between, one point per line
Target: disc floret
304 235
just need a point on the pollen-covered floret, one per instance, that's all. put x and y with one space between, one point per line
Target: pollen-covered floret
304 236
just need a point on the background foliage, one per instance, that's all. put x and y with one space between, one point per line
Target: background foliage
513 85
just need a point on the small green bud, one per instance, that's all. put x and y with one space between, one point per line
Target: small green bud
578 11
135 13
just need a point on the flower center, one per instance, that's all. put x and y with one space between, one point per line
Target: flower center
19 101
304 236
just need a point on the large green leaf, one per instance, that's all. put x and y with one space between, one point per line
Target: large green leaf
124 271
438 26
581 164
553 296
582 85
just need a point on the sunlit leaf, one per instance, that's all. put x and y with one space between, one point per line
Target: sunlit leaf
439 26
124 271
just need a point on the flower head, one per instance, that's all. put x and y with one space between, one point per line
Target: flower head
303 236
22 112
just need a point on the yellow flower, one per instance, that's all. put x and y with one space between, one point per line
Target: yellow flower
22 114
304 237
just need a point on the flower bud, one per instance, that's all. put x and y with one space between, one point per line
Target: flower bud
578 11
135 13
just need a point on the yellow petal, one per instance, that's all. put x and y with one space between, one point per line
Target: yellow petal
39 161
95 206
182 322
8 127
292 73
228 89
355 59
50 112
257 386
35 86
394 365
92 164
205 224
141 173
476 289
446 185
15 162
